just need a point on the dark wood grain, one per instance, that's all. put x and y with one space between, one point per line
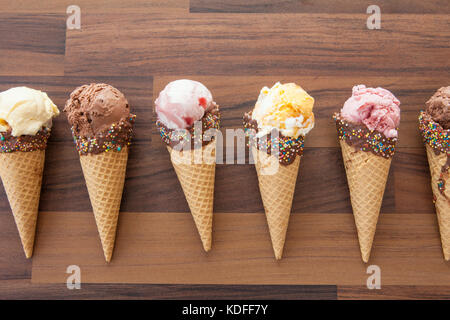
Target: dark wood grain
395 292
139 46
412 182
165 248
13 264
23 289
279 44
100 6
32 44
317 6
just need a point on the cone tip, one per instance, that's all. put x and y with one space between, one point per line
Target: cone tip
28 252
278 255
207 246
205 238
108 257
366 248
365 257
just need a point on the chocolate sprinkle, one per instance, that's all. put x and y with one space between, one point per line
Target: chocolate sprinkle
438 139
364 139
112 139
25 143
174 137
288 147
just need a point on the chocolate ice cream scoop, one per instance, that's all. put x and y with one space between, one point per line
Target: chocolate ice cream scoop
95 107
100 119
438 107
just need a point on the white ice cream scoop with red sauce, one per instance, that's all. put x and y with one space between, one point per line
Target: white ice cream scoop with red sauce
182 102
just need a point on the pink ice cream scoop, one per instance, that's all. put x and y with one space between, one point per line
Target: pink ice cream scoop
377 108
182 102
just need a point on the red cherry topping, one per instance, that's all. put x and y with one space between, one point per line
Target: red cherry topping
202 102
189 120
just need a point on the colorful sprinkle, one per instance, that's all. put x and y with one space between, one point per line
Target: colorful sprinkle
172 137
25 143
439 139
288 148
364 139
114 138
434 134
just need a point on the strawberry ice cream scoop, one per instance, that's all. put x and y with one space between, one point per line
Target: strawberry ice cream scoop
376 108
182 102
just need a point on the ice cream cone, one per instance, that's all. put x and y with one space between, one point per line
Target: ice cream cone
197 181
104 174
26 120
366 175
21 174
281 118
442 201
277 186
102 128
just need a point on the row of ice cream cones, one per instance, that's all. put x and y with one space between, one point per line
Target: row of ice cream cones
367 153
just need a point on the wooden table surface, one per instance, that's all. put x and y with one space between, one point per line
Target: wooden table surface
234 47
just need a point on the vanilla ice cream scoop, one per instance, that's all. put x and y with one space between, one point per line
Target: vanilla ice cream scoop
286 107
25 111
182 102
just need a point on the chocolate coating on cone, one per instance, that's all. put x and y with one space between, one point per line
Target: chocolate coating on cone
26 143
438 139
115 138
174 137
100 118
364 139
289 148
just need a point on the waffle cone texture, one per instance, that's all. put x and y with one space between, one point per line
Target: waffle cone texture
367 174
104 174
21 174
197 182
277 186
442 202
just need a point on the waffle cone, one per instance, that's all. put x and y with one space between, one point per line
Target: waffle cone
442 202
197 181
367 174
277 186
21 174
104 174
